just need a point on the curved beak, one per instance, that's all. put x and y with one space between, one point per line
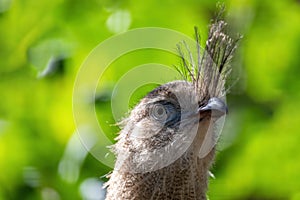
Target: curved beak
216 106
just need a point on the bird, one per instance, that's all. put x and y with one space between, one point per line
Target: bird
167 144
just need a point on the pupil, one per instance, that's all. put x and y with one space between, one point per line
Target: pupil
160 111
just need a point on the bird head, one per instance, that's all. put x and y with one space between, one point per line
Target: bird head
167 124
179 119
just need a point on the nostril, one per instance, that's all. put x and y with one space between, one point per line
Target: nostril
201 104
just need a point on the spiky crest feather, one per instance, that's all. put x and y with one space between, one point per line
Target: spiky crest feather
211 67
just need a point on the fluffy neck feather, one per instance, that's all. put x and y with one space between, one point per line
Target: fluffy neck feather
186 178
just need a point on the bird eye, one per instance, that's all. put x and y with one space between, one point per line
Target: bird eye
158 112
165 113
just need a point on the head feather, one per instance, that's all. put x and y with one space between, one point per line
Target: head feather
211 67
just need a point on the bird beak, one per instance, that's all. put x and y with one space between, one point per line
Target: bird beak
215 106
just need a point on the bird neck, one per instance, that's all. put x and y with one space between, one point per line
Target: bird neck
186 178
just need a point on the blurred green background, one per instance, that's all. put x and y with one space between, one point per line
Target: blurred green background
43 44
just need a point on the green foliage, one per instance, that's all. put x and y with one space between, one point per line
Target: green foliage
43 44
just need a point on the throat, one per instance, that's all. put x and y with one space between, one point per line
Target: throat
186 178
